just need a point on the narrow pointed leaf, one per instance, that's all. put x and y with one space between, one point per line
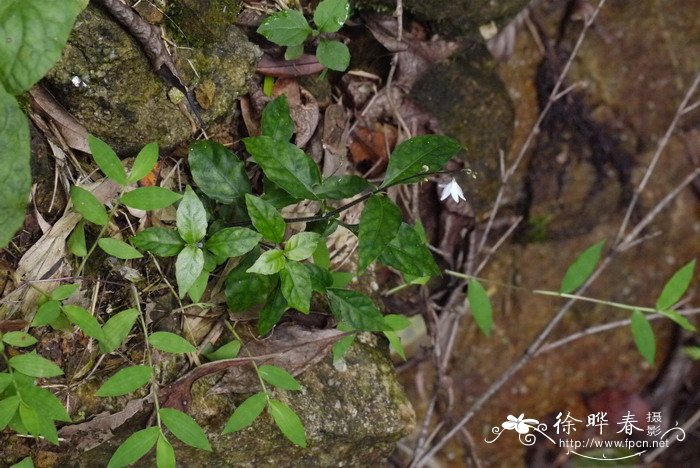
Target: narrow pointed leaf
379 223
118 249
64 292
191 218
676 286
136 446
76 240
85 321
8 408
144 163
417 156
278 377
18 339
88 205
34 365
188 266
185 428
228 351
480 305
47 313
116 329
150 198
643 336
165 455
170 343
341 347
125 381
246 413
581 268
288 422
107 160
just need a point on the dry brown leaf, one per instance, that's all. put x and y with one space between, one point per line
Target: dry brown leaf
307 64
73 133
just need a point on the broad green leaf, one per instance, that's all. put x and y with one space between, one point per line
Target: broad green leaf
331 14
228 351
5 380
246 413
379 223
107 160
288 422
341 347
245 290
395 343
24 463
125 381
45 403
15 174
199 286
217 171
301 245
333 54
293 52
64 291
480 305
30 419
34 365
679 319
47 313
163 242
285 165
188 266
276 196
8 408
265 217
170 343
165 455
191 218
341 278
322 257
76 240
276 121
408 253
320 277
643 336
144 163
676 286
296 286
88 205
136 446
340 187
581 268
118 249
150 198
397 322
419 156
185 428
19 339
232 242
116 329
356 310
278 377
272 312
268 263
285 28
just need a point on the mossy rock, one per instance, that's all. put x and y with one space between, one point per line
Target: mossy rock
200 22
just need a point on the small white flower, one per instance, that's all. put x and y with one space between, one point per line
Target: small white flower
452 190
522 426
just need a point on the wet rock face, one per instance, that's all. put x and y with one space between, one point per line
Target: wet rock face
106 82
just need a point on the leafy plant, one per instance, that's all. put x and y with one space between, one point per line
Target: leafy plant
290 29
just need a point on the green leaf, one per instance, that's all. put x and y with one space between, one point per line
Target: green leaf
272 312
379 223
285 165
136 446
232 242
15 174
76 240
116 329
331 14
125 381
34 365
88 205
676 286
118 249
296 286
8 408
228 351
480 305
64 292
30 419
693 352
288 422
163 242
265 217
150 198
19 339
341 347
340 187
301 245
171 343
144 163
643 336
47 313
45 403
356 310
278 377
406 163
581 268
107 160
199 286
276 196
188 266
185 428
333 54
294 52
322 257
245 290
320 277
395 343
268 263
218 172
397 322
679 319
408 253
285 28
26 462
246 413
341 278
191 218
33 34
165 455
5 380
276 121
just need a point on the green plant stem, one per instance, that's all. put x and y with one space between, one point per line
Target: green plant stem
252 360
149 357
99 236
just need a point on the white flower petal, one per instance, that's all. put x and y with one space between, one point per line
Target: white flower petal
508 425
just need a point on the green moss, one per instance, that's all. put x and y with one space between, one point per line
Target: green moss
201 22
